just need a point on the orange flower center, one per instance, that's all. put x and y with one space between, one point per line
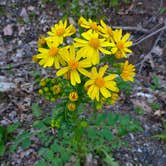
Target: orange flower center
73 96
73 64
120 45
93 25
95 43
60 31
100 82
53 51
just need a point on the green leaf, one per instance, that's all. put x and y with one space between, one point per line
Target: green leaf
124 120
107 134
36 111
2 149
92 133
161 136
109 159
39 125
100 118
41 163
26 143
56 147
112 118
12 128
162 10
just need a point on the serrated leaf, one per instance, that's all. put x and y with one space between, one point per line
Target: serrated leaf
2 149
41 163
92 133
100 118
161 136
112 118
107 134
56 147
36 111
39 125
12 127
26 143
109 159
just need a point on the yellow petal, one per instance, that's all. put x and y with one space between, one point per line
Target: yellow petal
111 85
84 72
72 79
89 82
110 77
76 76
62 71
102 70
125 37
105 92
104 51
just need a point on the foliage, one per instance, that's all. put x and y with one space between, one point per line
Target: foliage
162 135
155 83
6 135
60 140
89 8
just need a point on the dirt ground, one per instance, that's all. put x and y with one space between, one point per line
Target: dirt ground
23 21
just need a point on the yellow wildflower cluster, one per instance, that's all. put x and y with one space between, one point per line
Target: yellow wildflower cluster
50 88
80 61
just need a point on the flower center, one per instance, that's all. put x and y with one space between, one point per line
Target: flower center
73 64
109 30
60 31
120 45
95 43
99 82
53 51
93 25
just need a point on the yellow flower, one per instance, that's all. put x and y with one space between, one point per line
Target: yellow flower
88 24
106 31
60 30
71 106
99 106
56 89
73 96
128 72
42 82
34 58
91 46
41 41
75 65
98 83
114 98
120 44
50 56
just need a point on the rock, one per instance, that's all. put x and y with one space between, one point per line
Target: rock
8 31
162 161
24 15
6 86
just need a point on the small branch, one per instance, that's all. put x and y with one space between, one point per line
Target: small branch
150 35
10 66
148 56
139 29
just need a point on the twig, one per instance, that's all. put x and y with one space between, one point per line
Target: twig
139 29
148 56
14 66
150 35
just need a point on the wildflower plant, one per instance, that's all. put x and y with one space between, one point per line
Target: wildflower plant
89 72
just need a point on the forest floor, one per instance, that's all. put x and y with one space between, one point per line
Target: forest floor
23 21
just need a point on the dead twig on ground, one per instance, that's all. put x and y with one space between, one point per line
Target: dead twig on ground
150 35
139 29
11 66
148 56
